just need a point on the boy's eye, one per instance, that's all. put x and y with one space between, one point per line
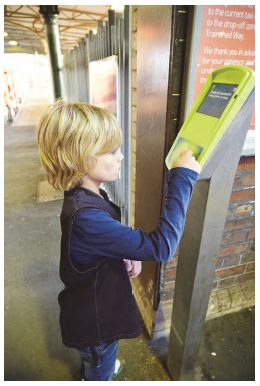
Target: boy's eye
114 152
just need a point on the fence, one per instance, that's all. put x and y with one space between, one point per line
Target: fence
112 38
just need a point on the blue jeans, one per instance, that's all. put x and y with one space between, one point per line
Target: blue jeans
98 362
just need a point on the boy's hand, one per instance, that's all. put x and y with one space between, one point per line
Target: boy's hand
133 268
186 160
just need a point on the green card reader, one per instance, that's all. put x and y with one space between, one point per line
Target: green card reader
220 100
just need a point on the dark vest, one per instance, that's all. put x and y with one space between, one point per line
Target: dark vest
97 304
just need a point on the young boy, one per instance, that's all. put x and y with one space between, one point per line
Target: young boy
79 149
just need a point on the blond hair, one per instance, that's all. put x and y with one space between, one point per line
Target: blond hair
69 136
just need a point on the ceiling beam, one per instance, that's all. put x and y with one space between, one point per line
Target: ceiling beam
81 11
32 9
74 23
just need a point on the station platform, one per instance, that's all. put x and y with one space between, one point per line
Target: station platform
33 346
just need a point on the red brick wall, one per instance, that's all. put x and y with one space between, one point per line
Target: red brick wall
236 260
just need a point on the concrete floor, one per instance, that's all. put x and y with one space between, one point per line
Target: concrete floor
33 347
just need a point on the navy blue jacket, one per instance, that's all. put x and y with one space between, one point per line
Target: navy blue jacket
97 304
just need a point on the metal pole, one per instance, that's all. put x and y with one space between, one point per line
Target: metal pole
199 246
50 14
127 109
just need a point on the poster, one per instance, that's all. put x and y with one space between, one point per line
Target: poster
103 78
227 36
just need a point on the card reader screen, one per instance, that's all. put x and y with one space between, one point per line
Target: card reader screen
217 99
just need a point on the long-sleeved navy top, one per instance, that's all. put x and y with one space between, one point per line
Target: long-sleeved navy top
95 233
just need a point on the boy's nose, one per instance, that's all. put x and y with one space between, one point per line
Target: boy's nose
120 156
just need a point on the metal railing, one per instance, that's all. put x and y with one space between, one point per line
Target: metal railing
112 38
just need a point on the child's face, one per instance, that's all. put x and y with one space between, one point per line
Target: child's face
107 167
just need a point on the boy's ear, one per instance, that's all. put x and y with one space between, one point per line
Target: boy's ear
90 163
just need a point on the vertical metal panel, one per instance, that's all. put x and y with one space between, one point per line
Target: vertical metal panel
85 53
91 56
77 68
113 35
153 47
100 25
128 112
65 69
81 72
154 25
107 39
117 23
121 90
111 23
75 85
194 22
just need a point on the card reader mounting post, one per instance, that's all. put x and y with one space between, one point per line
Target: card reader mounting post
200 243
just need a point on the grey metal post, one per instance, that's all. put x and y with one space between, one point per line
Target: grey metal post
111 22
50 14
127 109
199 246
